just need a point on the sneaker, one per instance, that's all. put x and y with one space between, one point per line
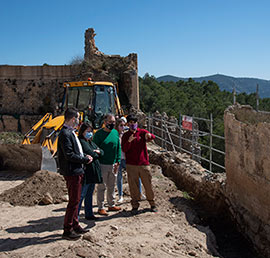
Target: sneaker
154 209
121 199
114 208
81 230
143 197
70 235
102 212
91 218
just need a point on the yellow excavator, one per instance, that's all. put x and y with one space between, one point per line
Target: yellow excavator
92 99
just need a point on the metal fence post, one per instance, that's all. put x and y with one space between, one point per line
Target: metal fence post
165 135
192 138
257 97
211 142
180 133
234 96
152 123
148 123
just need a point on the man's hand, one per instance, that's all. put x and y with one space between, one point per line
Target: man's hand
90 159
115 168
97 151
131 138
148 136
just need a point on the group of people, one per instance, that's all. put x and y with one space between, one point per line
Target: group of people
86 160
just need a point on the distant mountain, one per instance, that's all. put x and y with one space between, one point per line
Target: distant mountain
227 83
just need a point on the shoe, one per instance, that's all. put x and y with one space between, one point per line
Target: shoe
121 199
81 230
70 235
143 197
91 218
102 212
114 208
154 209
134 211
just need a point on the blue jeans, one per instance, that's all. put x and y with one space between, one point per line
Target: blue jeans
87 196
120 179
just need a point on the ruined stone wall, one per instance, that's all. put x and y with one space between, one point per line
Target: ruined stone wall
121 70
29 92
247 135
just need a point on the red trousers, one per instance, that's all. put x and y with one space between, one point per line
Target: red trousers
74 186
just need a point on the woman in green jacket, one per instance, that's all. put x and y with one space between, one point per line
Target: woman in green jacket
92 174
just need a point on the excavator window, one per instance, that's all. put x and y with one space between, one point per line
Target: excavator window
72 97
103 104
85 98
80 98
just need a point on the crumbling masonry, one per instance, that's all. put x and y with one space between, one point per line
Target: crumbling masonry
28 92
243 192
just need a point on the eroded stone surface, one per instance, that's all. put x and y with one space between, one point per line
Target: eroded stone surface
30 91
247 135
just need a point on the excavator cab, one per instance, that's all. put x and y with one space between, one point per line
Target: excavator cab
93 100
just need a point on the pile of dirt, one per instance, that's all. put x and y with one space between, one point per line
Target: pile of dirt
19 157
43 187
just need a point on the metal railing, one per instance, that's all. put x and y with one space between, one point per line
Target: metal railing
200 142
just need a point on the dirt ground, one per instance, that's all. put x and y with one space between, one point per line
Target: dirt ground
34 230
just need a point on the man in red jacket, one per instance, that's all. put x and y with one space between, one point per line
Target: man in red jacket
137 162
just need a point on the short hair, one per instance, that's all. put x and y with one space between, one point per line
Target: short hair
70 113
83 127
118 122
108 115
132 117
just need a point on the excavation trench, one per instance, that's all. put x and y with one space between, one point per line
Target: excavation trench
204 193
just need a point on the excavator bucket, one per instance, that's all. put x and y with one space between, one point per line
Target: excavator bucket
48 161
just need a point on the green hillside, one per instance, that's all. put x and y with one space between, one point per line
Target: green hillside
194 98
247 85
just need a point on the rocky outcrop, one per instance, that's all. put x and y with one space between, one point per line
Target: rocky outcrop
247 134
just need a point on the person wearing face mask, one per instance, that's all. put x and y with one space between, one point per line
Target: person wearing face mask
92 174
137 163
121 127
71 159
107 139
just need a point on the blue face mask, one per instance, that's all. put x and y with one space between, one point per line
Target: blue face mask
88 135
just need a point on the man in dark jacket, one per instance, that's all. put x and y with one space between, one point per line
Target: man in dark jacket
71 158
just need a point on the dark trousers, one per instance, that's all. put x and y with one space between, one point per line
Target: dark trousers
74 186
87 196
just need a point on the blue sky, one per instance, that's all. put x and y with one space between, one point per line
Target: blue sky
185 38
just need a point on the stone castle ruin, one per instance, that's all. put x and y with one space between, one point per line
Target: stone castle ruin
242 194
247 134
28 92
